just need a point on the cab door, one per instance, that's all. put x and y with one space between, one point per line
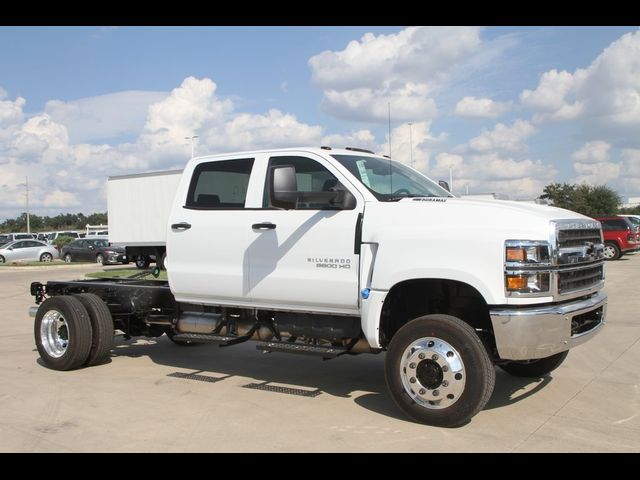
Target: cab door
208 233
306 258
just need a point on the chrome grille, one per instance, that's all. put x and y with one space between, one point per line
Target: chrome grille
579 278
578 237
579 256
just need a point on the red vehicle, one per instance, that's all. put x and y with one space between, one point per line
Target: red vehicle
620 237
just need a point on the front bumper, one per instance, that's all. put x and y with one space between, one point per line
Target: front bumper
525 333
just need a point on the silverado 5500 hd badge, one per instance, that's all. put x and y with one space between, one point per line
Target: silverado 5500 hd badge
330 262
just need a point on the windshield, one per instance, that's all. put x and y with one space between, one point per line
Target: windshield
390 181
5 238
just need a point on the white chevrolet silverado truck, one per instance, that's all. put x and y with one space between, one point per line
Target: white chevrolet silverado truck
328 252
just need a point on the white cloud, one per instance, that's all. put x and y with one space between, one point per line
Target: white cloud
593 165
480 108
10 111
360 139
58 198
492 173
104 116
364 104
593 152
249 131
401 68
3 93
605 96
503 138
417 142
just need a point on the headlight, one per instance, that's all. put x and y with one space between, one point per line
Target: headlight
526 265
527 252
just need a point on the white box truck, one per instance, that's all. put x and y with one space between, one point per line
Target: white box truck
138 209
327 252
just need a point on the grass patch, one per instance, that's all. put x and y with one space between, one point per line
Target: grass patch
126 273
55 263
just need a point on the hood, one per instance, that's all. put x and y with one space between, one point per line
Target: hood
439 217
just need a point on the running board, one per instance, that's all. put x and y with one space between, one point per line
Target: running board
301 348
222 340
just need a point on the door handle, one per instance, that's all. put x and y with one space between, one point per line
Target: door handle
263 226
181 226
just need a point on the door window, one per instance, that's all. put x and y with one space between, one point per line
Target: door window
311 177
220 185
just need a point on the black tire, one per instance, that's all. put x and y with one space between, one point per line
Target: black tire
182 343
478 371
102 327
2 259
535 368
100 259
46 257
161 264
78 332
142 262
67 258
612 250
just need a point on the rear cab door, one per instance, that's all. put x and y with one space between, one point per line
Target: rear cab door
208 230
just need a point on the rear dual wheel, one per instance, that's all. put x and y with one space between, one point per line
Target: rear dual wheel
73 331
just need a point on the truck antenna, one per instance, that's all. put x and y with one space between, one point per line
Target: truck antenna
390 172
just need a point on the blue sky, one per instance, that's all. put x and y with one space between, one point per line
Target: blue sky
509 108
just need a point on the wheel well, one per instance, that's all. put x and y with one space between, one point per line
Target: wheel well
413 298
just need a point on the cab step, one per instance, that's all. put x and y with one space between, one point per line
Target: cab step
289 347
222 340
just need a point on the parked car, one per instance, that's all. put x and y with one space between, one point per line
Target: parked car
93 250
53 235
635 219
27 250
43 236
12 237
620 237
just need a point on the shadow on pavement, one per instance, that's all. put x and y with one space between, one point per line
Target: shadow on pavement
344 376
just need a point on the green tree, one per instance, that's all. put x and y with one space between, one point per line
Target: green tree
586 199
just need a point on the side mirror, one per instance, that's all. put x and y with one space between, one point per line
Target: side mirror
345 200
283 187
444 185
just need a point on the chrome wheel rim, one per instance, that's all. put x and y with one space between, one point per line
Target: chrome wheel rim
609 251
47 257
67 258
54 334
432 373
100 259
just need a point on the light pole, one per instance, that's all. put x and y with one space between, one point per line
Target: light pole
410 143
192 137
27 187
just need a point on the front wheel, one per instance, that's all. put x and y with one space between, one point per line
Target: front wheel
535 368
46 257
100 259
438 371
67 258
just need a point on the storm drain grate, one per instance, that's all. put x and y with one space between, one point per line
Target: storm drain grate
288 390
195 376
